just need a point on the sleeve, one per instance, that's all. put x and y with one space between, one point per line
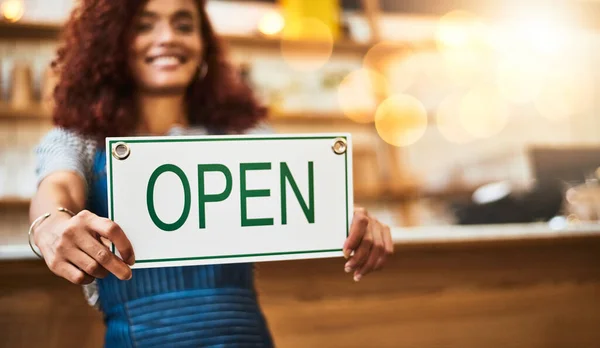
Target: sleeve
64 150
262 128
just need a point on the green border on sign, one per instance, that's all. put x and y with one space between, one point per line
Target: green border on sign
191 139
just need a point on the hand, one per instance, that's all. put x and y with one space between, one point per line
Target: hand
72 247
371 242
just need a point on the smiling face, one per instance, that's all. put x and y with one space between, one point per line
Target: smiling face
166 50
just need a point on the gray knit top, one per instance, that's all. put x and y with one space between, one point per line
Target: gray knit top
65 150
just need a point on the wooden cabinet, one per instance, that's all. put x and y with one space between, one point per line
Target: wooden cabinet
534 294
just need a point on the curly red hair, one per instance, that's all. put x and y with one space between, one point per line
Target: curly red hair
94 95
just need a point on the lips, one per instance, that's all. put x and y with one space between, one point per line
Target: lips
166 60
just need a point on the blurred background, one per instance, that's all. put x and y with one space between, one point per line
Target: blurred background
463 112
442 99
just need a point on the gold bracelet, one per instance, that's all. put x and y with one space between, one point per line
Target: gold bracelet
39 220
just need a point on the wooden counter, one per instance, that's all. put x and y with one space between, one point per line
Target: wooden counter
542 291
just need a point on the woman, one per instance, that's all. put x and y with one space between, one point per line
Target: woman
150 67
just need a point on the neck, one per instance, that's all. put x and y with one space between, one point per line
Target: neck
158 114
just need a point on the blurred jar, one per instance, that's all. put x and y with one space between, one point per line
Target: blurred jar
582 201
9 172
22 91
49 82
3 173
1 82
25 187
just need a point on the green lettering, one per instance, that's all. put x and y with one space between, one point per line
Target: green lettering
204 198
308 209
245 194
150 197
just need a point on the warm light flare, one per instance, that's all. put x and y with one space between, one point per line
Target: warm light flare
520 81
565 95
402 73
12 10
401 120
459 29
316 53
483 113
461 40
358 94
271 23
448 120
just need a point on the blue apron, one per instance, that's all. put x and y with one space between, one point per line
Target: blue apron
192 306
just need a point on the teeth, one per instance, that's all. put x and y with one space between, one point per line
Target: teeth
165 61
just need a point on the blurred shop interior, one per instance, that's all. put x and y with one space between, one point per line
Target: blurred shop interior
466 112
470 119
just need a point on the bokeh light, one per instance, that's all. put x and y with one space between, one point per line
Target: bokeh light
12 10
316 51
461 40
532 32
483 112
383 53
403 73
401 120
448 120
459 29
520 81
565 95
395 61
358 94
271 23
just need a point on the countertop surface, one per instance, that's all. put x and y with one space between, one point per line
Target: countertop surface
18 248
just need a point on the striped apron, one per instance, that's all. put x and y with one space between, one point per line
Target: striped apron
192 306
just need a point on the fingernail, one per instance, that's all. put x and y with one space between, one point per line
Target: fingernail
131 259
357 277
346 253
348 269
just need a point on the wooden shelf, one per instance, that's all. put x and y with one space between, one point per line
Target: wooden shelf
38 113
7 112
51 31
310 117
266 43
36 31
14 202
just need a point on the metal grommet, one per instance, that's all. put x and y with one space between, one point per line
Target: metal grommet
121 151
340 146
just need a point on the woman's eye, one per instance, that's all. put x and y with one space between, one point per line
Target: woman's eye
185 27
143 27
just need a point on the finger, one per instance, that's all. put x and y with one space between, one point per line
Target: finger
389 248
73 274
377 251
105 257
379 264
389 243
87 264
362 252
358 229
110 230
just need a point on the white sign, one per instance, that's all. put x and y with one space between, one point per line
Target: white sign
228 199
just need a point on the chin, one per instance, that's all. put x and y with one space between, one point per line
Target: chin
167 88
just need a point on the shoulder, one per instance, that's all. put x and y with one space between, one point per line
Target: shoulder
261 128
64 149
62 137
60 141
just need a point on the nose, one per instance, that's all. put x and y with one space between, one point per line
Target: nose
165 34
